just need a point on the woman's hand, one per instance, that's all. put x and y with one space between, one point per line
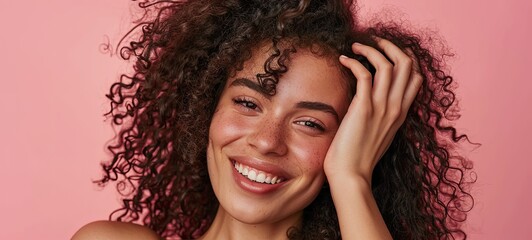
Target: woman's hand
374 116
376 112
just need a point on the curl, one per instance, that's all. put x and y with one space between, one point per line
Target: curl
183 53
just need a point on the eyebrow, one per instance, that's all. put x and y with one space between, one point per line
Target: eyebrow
245 82
319 106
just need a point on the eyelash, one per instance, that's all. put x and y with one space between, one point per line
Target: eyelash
249 105
311 124
246 103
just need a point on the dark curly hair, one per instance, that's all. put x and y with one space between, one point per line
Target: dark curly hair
186 50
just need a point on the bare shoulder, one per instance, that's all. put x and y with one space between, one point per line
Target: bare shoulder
107 230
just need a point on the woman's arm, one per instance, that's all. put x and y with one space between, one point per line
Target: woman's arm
374 116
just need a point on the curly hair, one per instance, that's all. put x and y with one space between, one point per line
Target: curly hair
186 50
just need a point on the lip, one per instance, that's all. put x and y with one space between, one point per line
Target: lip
255 187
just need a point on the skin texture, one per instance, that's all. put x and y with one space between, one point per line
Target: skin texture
273 130
106 230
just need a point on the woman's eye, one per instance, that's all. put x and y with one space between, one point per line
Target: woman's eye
311 124
245 103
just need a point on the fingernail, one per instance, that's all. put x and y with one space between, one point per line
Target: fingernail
343 56
356 43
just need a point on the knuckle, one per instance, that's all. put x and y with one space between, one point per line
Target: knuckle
392 110
381 111
394 113
407 62
387 67
365 75
366 112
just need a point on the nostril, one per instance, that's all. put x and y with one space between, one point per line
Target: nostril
269 138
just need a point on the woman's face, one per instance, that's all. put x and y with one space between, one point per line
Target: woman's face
265 153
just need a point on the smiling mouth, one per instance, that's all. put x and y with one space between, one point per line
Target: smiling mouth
257 175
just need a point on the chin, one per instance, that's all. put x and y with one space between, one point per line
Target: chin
256 214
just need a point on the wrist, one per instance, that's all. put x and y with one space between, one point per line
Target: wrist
356 171
349 180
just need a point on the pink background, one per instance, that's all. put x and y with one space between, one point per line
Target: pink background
54 79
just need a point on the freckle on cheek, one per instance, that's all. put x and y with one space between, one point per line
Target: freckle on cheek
320 158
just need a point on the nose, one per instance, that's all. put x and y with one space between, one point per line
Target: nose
269 137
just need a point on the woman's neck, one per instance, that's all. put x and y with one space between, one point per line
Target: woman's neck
226 227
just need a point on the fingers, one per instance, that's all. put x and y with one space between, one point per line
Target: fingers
416 81
384 70
396 82
362 75
401 71
378 111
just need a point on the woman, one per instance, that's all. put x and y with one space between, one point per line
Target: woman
262 120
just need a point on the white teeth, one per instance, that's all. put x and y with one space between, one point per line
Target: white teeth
252 175
256 175
261 177
268 179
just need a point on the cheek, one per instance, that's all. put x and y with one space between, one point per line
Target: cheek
311 154
226 127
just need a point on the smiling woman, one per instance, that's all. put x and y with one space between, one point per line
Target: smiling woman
284 119
265 155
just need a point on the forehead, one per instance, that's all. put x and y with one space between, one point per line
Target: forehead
310 77
311 62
